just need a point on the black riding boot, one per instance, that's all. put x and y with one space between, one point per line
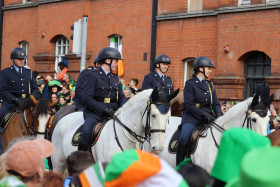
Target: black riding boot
181 153
83 147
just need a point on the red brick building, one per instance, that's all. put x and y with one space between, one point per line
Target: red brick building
242 37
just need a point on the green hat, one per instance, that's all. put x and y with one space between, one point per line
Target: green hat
235 143
54 83
259 169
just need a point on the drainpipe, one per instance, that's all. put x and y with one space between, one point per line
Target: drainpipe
153 35
1 29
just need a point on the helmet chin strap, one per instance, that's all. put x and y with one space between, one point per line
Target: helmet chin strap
203 72
161 70
111 60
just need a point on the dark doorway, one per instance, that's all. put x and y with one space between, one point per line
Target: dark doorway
257 67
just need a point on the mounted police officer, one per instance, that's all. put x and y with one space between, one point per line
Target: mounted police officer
158 78
200 101
103 93
17 82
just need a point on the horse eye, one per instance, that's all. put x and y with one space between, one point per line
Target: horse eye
153 115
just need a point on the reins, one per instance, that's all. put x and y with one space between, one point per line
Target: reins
148 130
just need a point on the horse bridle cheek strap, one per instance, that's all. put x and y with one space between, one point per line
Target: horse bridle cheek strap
249 120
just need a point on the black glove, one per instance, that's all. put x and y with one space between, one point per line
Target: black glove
108 112
207 118
21 103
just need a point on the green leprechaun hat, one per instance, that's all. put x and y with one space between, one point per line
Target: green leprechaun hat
235 143
259 168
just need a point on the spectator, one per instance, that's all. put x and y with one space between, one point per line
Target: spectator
49 78
65 92
235 143
62 102
43 88
133 84
133 168
127 92
73 98
224 107
52 179
258 169
123 83
25 160
54 86
55 108
39 77
76 163
195 175
63 66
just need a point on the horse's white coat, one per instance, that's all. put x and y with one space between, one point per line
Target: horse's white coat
131 115
206 151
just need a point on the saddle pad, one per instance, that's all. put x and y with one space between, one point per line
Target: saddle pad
173 143
78 133
6 119
195 137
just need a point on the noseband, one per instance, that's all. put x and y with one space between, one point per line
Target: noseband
148 130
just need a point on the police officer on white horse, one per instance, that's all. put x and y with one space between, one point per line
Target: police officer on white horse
103 93
200 101
17 82
158 78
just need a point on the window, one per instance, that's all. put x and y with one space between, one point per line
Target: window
188 70
272 1
195 5
25 45
116 42
244 2
257 67
61 49
26 1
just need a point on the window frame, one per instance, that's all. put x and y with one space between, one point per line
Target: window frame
59 53
26 1
25 45
187 63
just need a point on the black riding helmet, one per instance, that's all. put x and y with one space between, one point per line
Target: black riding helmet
109 53
203 62
96 60
161 59
18 52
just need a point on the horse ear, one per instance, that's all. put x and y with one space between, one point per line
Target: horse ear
269 100
255 99
173 95
155 93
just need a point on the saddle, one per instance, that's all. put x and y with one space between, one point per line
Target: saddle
94 136
174 141
6 119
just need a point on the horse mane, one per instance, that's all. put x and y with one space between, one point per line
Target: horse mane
42 108
235 111
142 96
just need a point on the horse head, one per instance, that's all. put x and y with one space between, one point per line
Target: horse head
157 118
258 111
41 114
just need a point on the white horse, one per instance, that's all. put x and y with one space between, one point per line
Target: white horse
206 151
133 114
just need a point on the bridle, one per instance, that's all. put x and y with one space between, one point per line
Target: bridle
148 130
260 112
30 131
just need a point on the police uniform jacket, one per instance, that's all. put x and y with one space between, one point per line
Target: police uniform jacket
79 90
198 100
152 80
98 88
14 84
